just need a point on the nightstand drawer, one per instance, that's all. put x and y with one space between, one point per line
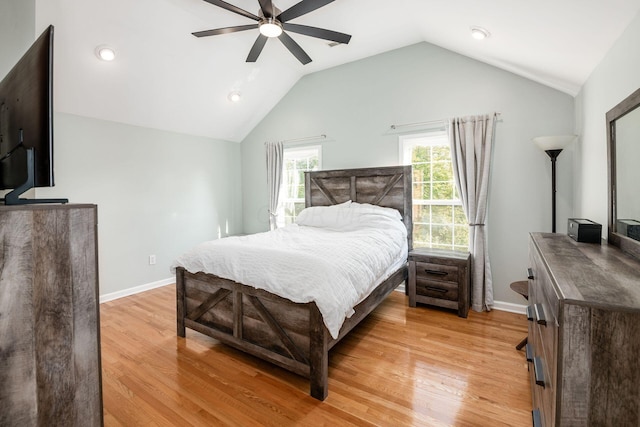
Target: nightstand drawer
432 271
437 289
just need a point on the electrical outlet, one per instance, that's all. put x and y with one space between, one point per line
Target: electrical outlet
152 260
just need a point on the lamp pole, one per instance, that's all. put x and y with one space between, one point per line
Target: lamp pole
553 146
553 154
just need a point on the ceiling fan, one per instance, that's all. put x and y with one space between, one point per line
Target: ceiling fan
272 22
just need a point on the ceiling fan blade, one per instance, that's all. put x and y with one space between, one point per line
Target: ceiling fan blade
232 8
320 33
302 8
294 48
257 48
267 8
225 30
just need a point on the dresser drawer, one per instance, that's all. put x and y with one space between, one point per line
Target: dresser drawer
543 376
544 292
437 289
432 271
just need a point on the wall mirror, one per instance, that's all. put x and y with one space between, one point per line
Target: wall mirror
623 141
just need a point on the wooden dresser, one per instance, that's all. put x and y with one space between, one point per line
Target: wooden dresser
49 322
584 333
440 278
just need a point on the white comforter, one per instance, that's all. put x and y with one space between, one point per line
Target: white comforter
334 256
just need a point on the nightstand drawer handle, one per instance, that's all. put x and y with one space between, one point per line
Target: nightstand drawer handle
528 349
431 288
529 274
530 314
537 419
542 320
436 272
538 371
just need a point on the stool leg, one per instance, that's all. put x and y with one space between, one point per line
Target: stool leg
521 344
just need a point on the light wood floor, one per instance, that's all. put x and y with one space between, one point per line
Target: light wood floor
402 366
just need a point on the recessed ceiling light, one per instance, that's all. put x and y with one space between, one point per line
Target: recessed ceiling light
479 33
105 53
234 96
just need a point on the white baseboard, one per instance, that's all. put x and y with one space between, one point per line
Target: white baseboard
497 305
508 306
136 290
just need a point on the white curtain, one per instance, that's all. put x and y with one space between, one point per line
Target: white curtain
471 139
275 155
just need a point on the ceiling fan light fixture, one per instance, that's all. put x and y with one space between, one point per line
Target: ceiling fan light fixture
270 27
479 33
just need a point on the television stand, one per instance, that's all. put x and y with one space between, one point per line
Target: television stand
13 197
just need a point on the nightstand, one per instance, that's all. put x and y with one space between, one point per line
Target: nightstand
440 278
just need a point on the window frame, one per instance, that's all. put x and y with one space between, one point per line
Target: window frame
406 144
282 199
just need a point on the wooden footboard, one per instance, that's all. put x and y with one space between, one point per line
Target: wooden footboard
287 334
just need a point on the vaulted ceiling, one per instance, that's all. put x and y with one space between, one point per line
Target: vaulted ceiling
165 78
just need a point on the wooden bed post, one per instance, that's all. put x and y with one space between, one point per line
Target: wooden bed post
181 300
318 354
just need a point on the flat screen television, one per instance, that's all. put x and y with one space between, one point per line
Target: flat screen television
26 123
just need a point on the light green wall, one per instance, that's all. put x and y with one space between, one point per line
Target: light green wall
615 78
157 193
355 104
17 31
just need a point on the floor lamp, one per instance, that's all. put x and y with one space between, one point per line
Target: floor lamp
553 146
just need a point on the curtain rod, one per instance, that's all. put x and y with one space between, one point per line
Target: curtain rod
306 138
430 122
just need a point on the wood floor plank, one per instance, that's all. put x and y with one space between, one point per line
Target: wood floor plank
401 367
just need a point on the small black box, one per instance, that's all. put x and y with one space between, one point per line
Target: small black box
584 230
629 228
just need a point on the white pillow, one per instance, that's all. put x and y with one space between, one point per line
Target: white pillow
391 212
347 217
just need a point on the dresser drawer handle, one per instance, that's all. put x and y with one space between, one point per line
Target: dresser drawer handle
434 289
538 371
537 419
528 351
530 314
529 274
436 272
539 309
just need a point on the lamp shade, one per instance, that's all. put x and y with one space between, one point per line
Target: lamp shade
559 142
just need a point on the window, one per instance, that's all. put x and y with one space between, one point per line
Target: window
438 218
296 162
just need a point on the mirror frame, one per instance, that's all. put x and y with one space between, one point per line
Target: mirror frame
627 105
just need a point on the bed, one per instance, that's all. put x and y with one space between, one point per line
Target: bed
289 334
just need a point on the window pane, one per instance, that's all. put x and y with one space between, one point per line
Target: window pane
421 235
442 214
442 171
459 216
421 213
443 191
421 154
461 236
442 234
440 152
421 172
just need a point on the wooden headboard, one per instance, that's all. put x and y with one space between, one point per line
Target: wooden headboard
386 186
